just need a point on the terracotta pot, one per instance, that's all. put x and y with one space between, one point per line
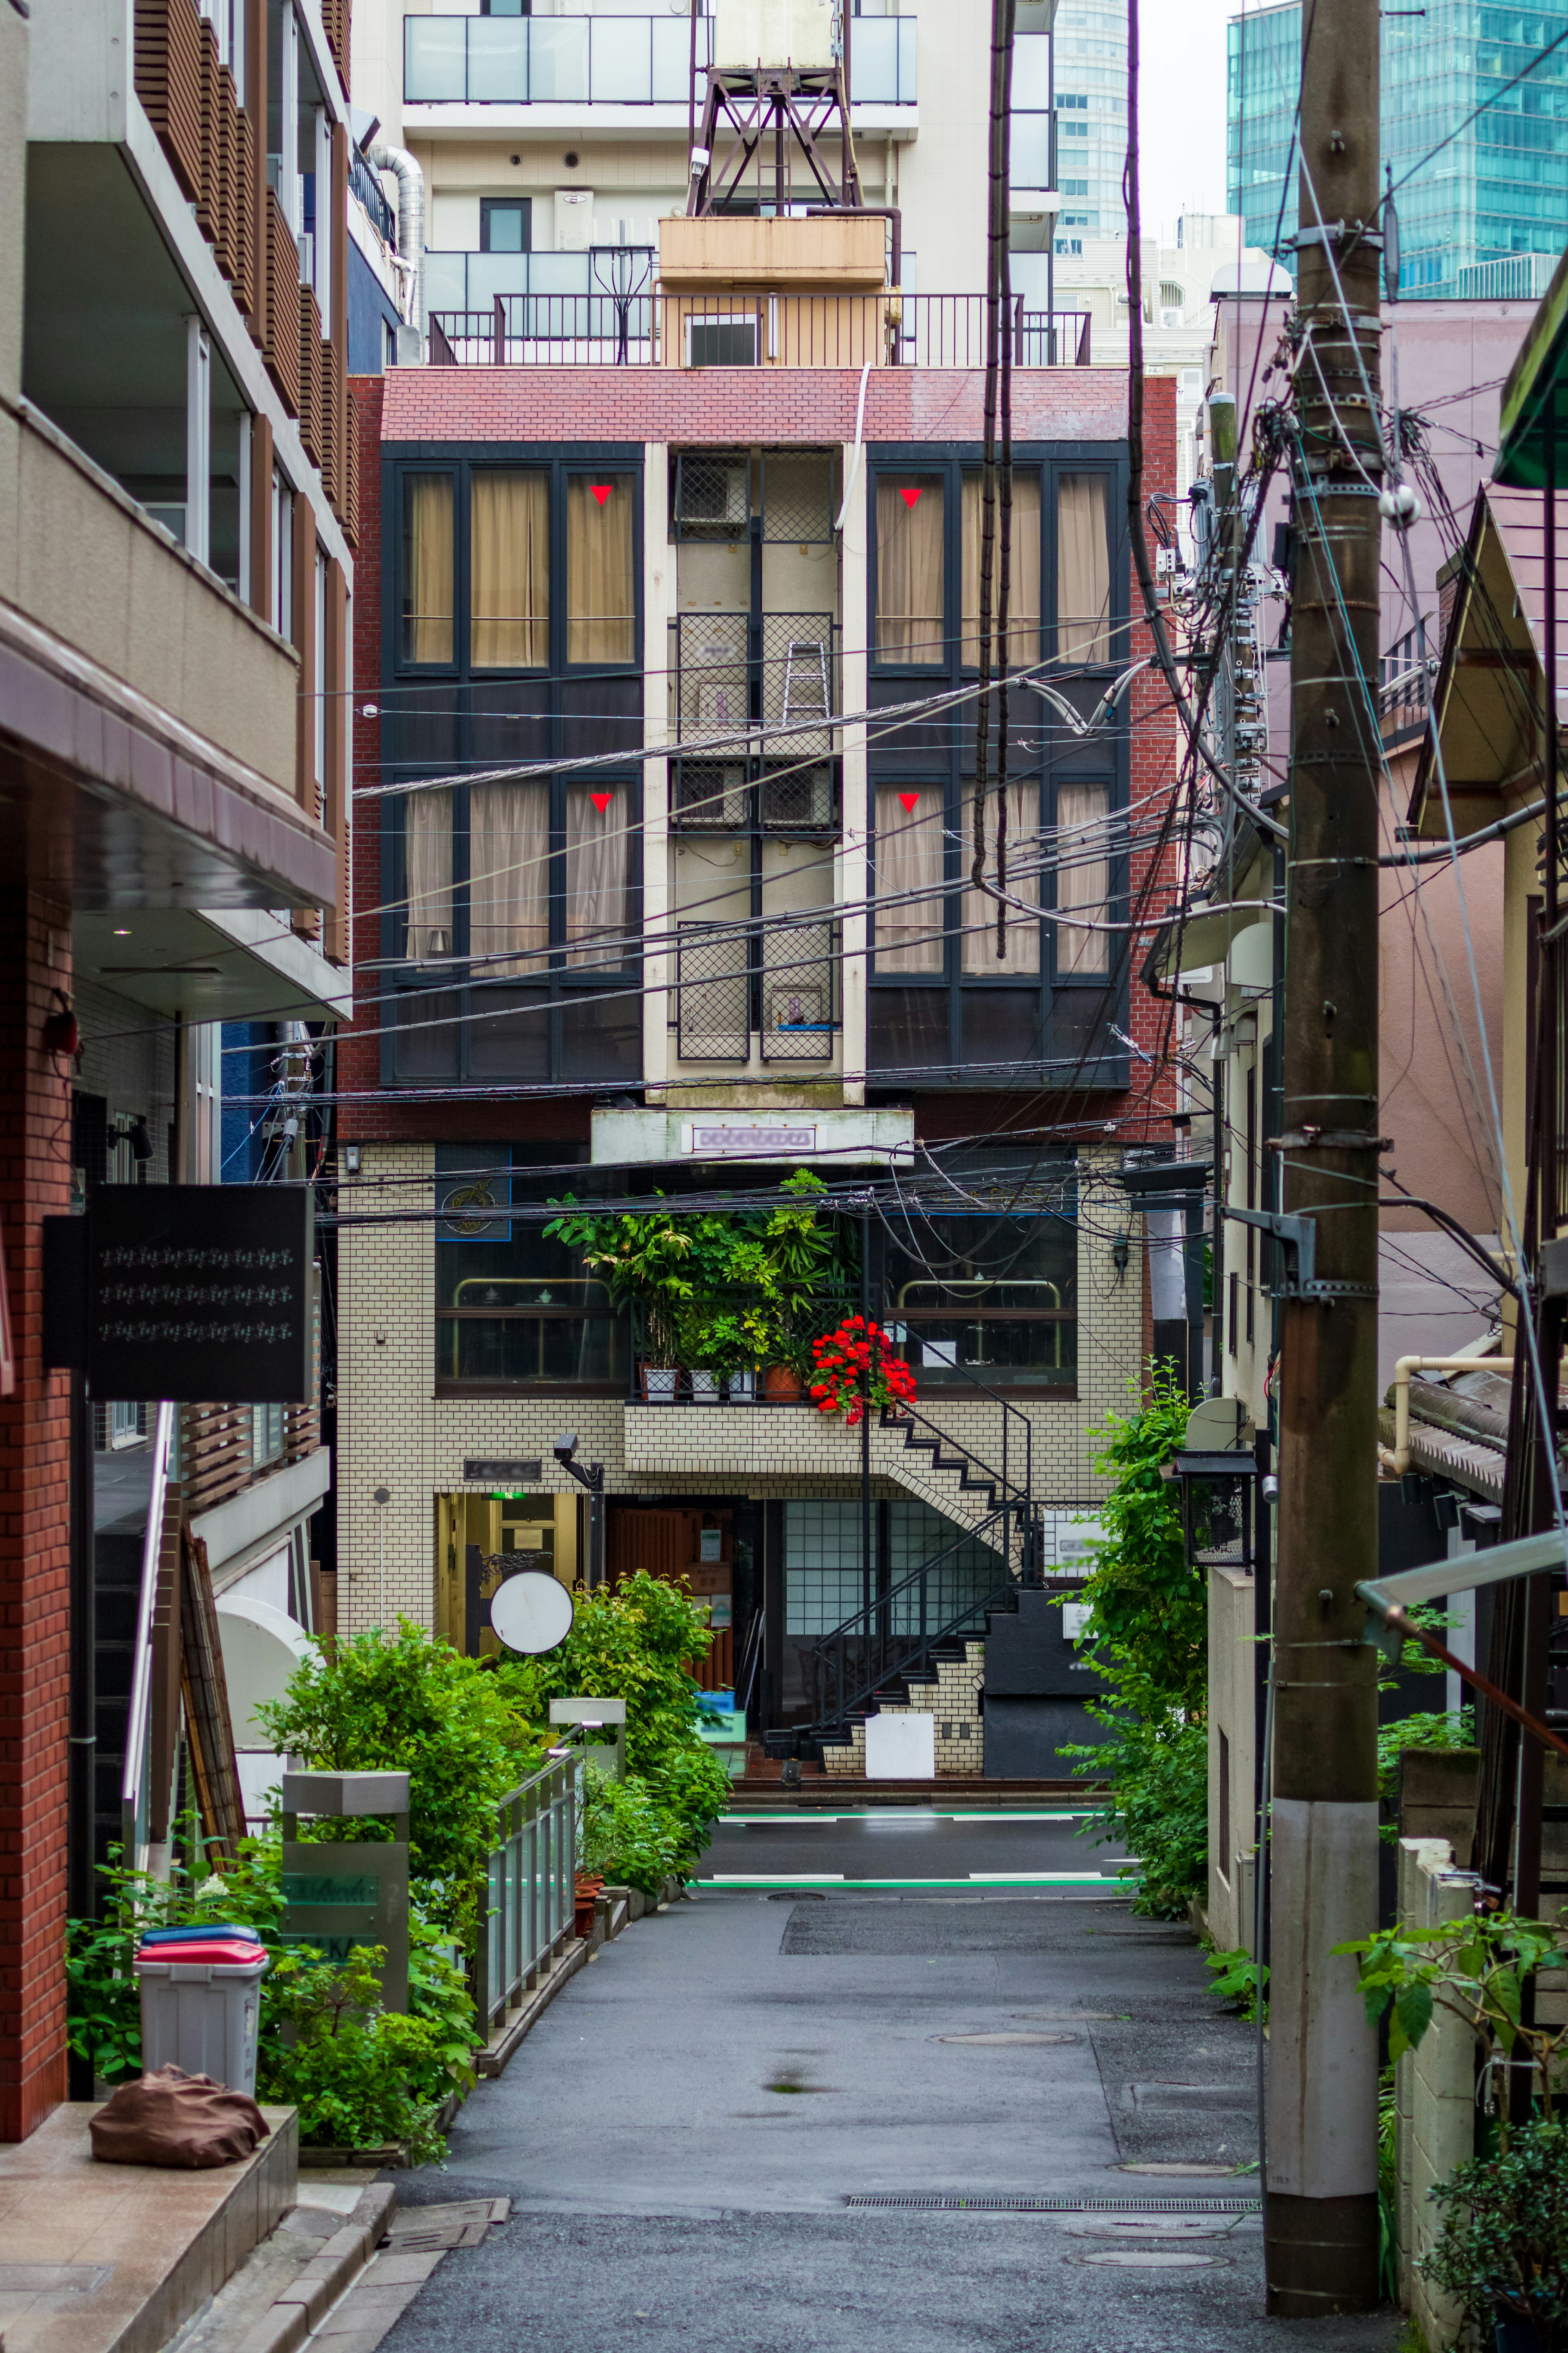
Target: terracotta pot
783 1381
587 1892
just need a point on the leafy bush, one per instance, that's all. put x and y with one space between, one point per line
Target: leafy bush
428 2063
637 1643
1147 1633
1456 1730
1239 1979
1504 2240
625 1835
358 2074
404 1703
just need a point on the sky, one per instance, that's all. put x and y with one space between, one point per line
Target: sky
1181 108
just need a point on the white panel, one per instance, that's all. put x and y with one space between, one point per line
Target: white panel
574 220
1322 2071
454 223
773 33
901 1748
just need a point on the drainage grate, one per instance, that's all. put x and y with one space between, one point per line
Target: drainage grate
952 2202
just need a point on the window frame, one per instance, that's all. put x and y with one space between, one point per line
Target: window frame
398 553
490 206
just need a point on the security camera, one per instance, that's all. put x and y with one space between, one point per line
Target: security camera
564 1448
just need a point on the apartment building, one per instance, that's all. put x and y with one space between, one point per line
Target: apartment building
550 138
718 558
177 519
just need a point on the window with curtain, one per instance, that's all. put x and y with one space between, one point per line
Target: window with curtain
1083 568
508 877
1023 937
595 877
910 849
508 570
1083 875
601 595
427 568
1024 571
910 602
427 872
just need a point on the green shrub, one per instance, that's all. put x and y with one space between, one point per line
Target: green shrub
359 2074
404 1704
637 1643
1157 1806
625 1835
1504 2240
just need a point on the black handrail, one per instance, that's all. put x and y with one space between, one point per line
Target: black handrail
888 1652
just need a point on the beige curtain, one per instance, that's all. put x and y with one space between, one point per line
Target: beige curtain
910 609
508 876
601 604
595 876
427 864
1024 572
1083 569
980 913
427 556
909 858
1083 875
509 571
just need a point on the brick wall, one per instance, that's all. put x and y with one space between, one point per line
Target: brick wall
34 1529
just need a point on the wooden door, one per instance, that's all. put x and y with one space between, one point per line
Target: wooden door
666 1541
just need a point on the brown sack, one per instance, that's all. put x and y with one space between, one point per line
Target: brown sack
173 2119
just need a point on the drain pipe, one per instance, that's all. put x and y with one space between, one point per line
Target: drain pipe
410 176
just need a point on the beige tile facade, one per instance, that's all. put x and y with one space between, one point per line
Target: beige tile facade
954 1699
394 1433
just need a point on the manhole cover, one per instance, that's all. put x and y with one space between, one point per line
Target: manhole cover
53 2279
995 2042
1151 2259
1183 2172
1152 2226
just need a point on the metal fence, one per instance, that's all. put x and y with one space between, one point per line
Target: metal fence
529 1891
628 324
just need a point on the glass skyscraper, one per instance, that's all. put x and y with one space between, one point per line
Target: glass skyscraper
1091 119
1498 190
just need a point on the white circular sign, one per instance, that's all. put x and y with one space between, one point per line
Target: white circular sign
532 1611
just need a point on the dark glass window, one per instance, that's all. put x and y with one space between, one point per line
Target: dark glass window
991 1296
514 1307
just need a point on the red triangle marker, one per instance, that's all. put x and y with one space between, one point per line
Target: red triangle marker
601 801
908 801
601 491
909 497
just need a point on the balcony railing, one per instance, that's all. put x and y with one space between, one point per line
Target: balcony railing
367 185
630 60
1404 686
216 1450
524 310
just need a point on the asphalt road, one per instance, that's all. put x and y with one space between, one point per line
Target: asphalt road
908 1847
683 2130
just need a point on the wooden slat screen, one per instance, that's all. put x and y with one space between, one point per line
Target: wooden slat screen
168 81
280 346
312 389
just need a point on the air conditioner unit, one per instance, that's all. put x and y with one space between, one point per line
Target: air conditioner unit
574 220
716 495
749 33
709 795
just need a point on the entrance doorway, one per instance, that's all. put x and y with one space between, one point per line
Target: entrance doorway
672 1542
479 1538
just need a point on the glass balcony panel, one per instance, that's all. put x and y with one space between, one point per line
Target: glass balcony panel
446 274
1031 70
557 273
908 50
873 61
622 72
490 274
1031 150
497 59
435 60
558 68
672 56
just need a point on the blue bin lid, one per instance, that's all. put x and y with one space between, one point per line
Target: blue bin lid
206 1934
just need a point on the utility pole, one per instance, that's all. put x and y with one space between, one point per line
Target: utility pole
1321 2209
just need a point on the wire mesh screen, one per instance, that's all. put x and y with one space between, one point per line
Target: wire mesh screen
797 497
709 675
803 801
797 994
712 993
712 495
798 680
708 796
1219 1520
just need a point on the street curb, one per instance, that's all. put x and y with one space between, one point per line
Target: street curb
309 2296
496 2055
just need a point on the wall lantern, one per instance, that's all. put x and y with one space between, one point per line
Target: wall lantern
1219 1508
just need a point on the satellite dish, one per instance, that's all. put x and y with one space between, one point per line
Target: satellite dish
532 1611
1215 1425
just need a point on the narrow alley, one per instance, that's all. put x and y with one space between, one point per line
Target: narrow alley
695 2136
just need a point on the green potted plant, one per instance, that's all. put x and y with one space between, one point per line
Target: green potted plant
1503 2250
643 1259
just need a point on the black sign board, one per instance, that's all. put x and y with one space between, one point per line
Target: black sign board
501 1469
197 1292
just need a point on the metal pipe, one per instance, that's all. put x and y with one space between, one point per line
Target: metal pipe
410 177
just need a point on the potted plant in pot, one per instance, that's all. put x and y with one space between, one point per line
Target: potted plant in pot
855 1367
802 1273
645 1260
1504 2251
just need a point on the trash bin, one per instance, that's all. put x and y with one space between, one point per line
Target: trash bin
201 2003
